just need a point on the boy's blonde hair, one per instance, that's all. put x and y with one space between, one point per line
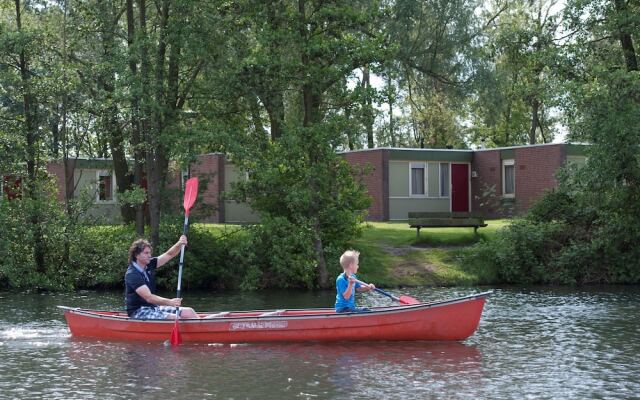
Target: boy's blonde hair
348 257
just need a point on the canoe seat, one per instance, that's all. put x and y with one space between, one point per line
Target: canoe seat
217 315
272 313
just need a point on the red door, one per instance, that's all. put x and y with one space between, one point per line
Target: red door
460 187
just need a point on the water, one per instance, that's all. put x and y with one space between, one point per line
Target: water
531 343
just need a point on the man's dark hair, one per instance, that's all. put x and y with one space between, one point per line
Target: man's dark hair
136 248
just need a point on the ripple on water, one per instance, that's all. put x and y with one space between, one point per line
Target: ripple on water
531 343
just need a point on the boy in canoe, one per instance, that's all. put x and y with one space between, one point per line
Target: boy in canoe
347 284
140 284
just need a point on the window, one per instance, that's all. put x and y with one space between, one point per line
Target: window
444 179
417 179
106 185
508 178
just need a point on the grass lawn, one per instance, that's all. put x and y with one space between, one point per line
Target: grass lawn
392 255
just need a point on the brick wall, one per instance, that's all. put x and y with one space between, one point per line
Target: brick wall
486 166
377 181
56 170
535 169
209 168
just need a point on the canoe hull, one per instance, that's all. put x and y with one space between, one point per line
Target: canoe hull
451 320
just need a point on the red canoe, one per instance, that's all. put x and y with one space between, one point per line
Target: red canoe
455 319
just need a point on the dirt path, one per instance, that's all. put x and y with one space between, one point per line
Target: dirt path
411 268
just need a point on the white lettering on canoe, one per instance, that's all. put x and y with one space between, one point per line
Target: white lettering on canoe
242 326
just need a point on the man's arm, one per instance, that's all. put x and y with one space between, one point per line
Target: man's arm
149 297
172 252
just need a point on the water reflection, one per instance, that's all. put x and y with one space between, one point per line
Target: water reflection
274 370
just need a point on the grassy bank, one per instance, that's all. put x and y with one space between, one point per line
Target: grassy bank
392 255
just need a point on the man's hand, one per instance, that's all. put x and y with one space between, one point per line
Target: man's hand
182 241
175 302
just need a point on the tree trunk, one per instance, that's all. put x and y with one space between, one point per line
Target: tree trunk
256 119
274 105
350 138
110 117
30 124
136 143
145 109
311 105
368 106
626 41
273 96
392 134
535 120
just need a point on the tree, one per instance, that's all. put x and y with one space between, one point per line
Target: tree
434 58
296 179
515 85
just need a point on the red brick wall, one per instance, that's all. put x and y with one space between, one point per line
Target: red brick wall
209 168
535 169
535 172
377 181
56 169
486 165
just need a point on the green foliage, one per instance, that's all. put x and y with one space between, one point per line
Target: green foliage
18 268
134 197
302 189
283 251
587 230
523 251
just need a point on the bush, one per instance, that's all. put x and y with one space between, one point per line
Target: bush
522 250
208 260
561 242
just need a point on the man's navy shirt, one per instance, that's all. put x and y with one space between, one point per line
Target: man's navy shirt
133 279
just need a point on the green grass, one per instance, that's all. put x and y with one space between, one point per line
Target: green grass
392 255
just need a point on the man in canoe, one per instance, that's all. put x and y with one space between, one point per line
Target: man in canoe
140 284
347 284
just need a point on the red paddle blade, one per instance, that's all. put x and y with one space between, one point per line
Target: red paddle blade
176 339
408 300
190 193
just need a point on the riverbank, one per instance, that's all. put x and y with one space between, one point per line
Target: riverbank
219 257
392 255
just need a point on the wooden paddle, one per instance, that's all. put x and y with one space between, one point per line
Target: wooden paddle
402 299
190 194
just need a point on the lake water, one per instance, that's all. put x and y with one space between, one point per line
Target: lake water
531 343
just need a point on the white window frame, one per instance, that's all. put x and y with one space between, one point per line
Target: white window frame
105 172
425 172
440 180
506 163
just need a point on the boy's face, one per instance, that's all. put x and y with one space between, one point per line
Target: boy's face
353 267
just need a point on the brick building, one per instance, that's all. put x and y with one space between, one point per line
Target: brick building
491 182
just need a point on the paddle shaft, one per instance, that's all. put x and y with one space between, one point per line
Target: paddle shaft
190 194
380 291
185 230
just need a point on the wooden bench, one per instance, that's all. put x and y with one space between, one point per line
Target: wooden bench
445 220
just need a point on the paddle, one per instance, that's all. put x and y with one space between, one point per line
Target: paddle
190 194
402 299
